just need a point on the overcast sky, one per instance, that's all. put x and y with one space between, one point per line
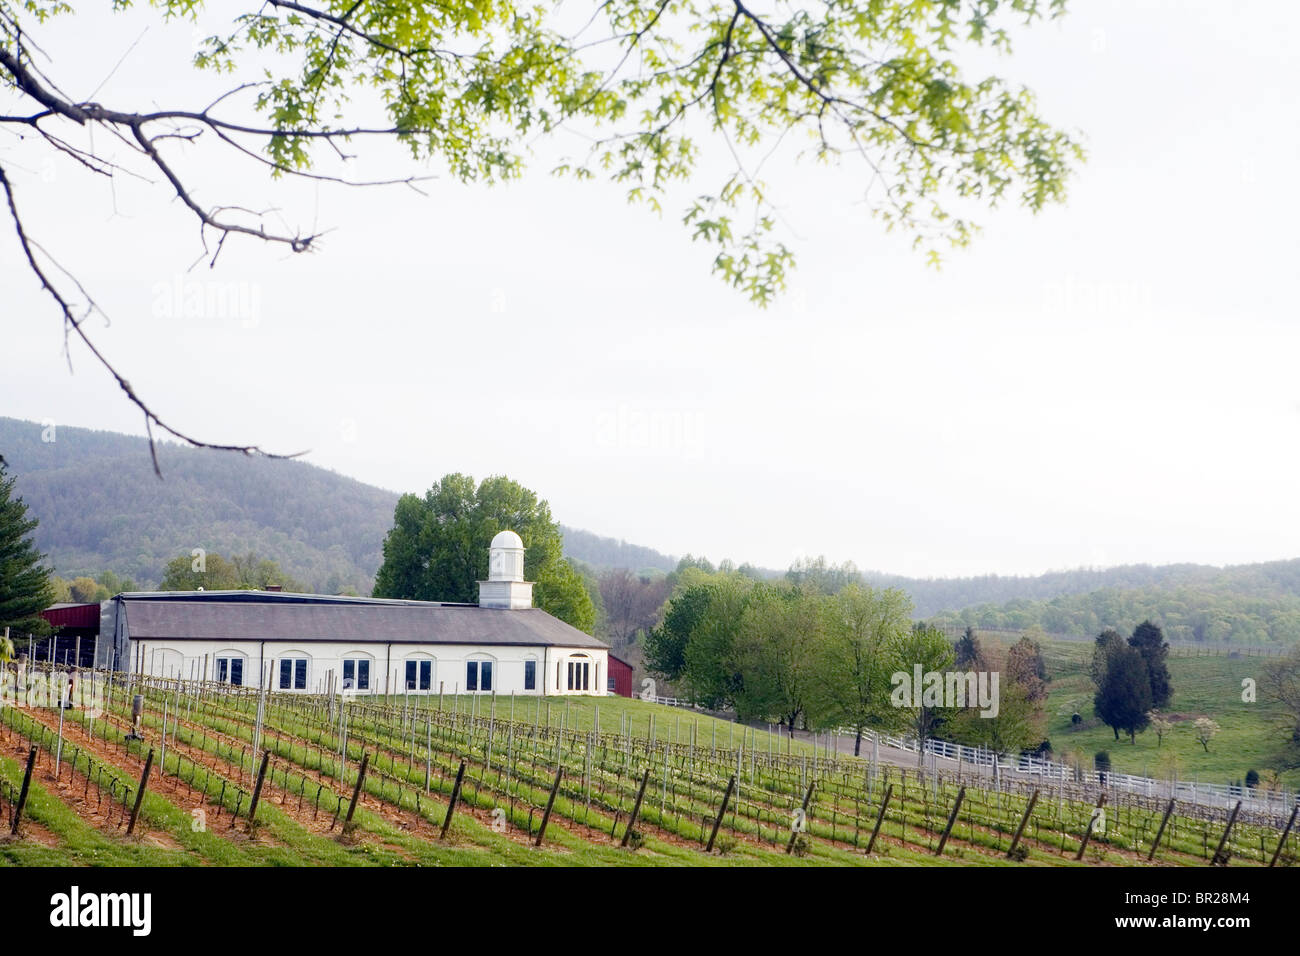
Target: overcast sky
1112 381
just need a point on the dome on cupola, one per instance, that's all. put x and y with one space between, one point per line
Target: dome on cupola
508 540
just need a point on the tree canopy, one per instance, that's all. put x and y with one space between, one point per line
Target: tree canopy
1149 641
437 549
1123 697
209 571
676 102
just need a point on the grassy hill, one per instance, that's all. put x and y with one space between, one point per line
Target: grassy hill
1253 735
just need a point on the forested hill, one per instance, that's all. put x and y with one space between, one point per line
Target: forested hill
1250 604
101 507
933 595
603 553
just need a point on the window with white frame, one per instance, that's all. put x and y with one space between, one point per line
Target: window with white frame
356 673
419 673
530 674
579 673
478 675
293 673
230 670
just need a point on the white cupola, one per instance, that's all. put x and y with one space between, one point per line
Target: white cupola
505 586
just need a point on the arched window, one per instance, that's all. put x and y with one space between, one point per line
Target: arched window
230 668
166 662
419 672
295 667
480 672
357 666
579 673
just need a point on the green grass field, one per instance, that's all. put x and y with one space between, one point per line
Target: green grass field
1253 736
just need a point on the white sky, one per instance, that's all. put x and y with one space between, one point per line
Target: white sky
1110 382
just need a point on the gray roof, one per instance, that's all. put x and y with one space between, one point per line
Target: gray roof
206 616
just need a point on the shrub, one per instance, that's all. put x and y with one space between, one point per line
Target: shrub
1252 779
1102 761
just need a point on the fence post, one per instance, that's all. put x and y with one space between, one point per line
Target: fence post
1160 832
1087 834
1282 842
1015 841
139 794
550 802
722 812
794 834
451 804
636 807
952 818
880 817
257 790
22 795
356 793
1220 858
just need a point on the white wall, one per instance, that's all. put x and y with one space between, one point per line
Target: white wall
197 660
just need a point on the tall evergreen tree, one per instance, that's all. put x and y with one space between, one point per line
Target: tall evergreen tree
1149 641
1123 698
1106 644
970 655
24 579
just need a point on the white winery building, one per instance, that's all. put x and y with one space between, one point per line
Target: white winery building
316 643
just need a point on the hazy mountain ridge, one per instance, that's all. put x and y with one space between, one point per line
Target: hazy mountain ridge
101 508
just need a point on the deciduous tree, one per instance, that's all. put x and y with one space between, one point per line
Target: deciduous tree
864 630
679 102
437 549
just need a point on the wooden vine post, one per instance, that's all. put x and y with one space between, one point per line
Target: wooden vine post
451 804
22 794
139 794
636 807
1161 831
550 802
1087 834
722 812
1024 821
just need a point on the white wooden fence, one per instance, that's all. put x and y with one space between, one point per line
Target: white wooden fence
1273 803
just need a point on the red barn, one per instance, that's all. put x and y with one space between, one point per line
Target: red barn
74 639
620 677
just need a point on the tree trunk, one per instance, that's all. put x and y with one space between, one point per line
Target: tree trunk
857 743
1116 729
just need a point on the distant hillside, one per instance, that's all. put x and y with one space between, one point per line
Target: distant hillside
605 553
1250 604
933 595
101 507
